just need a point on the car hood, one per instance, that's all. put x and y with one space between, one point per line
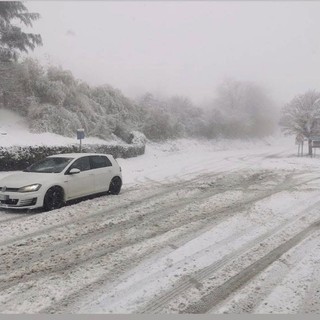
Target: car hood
21 179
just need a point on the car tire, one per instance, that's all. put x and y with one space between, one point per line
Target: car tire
53 199
115 185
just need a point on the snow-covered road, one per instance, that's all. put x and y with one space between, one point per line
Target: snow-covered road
199 227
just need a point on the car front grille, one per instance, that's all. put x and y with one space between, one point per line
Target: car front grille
22 203
10 201
10 189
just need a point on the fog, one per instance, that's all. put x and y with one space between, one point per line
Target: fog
184 48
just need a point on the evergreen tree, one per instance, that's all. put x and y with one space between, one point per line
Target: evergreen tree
12 38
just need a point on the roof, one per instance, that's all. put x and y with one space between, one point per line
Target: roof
78 155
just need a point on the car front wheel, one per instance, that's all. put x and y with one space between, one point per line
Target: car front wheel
53 199
115 185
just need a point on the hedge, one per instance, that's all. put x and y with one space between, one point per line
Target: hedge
20 157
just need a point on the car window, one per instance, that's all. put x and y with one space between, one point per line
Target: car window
100 162
49 165
83 164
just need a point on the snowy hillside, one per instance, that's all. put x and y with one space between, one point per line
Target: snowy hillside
14 131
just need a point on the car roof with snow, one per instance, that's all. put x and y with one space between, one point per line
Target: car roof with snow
78 155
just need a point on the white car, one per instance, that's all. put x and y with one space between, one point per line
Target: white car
60 178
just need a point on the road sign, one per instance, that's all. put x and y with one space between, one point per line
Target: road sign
80 136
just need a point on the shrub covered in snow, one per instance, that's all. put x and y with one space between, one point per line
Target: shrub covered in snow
137 138
54 101
49 118
19 158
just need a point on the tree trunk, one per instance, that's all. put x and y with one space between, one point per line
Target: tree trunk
310 147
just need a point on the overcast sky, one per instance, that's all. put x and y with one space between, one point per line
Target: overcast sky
185 48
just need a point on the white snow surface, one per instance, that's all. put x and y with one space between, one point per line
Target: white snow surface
192 215
175 161
14 131
184 158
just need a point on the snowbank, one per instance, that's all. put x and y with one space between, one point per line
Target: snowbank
14 131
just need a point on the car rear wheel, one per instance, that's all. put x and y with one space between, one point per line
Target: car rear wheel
115 185
53 199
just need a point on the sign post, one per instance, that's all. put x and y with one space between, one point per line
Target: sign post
315 144
80 136
299 142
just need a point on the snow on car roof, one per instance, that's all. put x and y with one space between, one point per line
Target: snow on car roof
78 155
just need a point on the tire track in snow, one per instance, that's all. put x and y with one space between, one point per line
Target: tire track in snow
250 296
75 296
160 302
176 179
25 214
226 210
26 258
236 282
114 211
14 217
311 302
106 212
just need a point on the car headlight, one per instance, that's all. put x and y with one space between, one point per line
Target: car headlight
32 187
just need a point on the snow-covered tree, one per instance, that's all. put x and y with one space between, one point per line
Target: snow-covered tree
12 38
46 118
301 116
245 109
159 122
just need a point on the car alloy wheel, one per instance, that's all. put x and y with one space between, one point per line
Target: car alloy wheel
115 185
53 199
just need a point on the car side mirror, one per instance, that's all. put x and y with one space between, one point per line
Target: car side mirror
74 171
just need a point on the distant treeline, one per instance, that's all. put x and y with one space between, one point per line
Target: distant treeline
54 101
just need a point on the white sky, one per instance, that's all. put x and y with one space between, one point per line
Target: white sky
182 47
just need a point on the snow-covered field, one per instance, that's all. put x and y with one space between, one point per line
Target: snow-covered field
14 131
199 227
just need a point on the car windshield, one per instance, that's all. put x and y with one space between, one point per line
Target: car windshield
49 165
